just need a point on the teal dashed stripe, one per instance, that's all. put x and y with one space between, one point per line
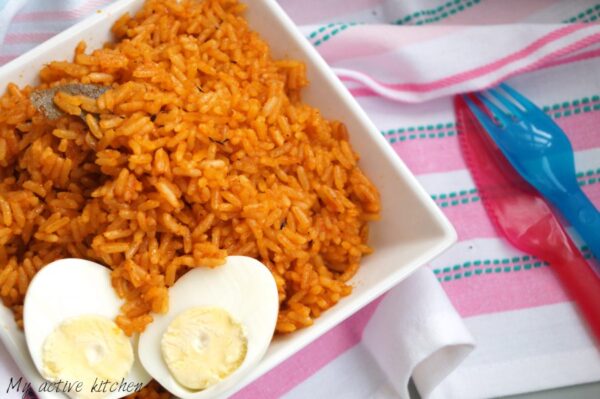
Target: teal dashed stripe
496 270
463 197
443 130
588 177
590 15
524 262
317 32
458 201
326 32
440 130
575 107
489 266
436 14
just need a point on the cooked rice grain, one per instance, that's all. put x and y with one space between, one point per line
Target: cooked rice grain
202 148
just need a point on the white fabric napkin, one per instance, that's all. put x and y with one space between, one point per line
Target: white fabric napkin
416 332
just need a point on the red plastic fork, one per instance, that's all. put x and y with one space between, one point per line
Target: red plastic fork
523 217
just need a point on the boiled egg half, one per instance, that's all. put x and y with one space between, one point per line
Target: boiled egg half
219 325
68 318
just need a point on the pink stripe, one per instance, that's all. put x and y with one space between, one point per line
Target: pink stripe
16 38
4 58
501 292
362 91
76 13
311 359
593 193
368 92
486 69
431 155
583 129
542 62
577 57
443 155
470 221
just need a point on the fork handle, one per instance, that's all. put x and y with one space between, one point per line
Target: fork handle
577 208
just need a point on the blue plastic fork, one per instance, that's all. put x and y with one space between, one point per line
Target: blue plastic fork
542 154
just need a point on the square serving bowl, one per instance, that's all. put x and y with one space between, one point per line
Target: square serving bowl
412 229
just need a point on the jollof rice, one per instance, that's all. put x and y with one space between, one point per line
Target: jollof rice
202 148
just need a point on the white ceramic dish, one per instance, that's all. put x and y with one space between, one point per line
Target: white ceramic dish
412 230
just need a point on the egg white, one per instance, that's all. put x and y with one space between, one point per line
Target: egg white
242 286
69 288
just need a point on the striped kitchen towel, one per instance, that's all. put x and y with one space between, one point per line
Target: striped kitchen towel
403 60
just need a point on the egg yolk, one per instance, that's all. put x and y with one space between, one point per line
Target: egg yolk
87 349
202 346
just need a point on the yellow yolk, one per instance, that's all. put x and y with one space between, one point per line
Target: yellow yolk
202 346
87 349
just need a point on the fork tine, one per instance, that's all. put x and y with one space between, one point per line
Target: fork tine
518 97
507 103
487 123
494 109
